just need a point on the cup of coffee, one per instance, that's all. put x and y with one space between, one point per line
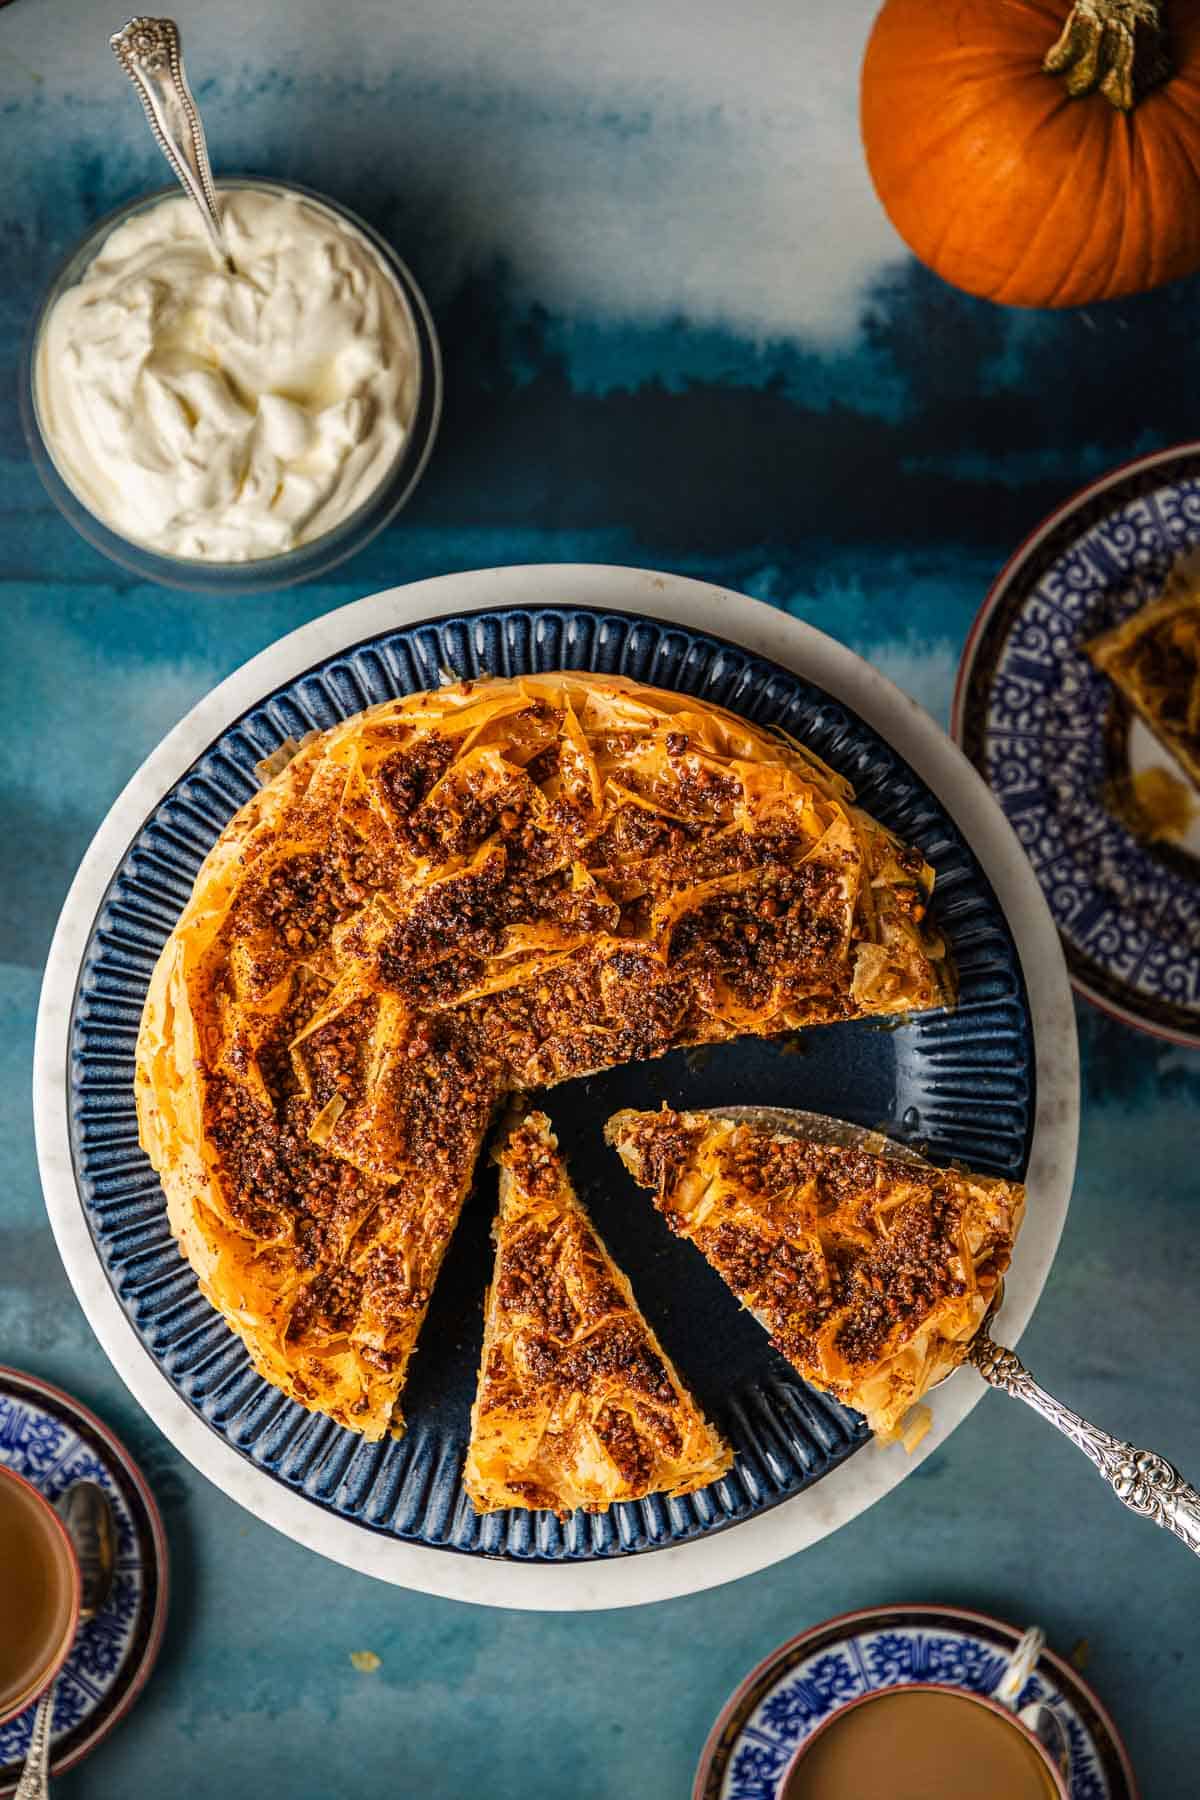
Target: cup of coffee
39 1594
923 1741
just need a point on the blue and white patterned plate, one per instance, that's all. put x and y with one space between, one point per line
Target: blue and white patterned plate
1049 734
53 1441
784 1700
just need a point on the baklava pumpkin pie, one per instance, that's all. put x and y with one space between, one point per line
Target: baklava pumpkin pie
455 895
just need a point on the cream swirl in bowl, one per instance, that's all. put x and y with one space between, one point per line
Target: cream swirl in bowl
220 416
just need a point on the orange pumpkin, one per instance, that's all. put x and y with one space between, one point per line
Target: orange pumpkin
1037 152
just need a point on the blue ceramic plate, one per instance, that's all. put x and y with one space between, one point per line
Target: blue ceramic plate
959 1083
784 1700
53 1441
1050 735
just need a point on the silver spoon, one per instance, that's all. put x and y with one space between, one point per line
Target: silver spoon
1041 1719
87 1515
149 52
1144 1481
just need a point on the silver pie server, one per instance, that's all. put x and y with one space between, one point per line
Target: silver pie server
1141 1479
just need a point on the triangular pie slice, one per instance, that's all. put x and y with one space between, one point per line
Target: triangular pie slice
871 1273
1153 658
578 1404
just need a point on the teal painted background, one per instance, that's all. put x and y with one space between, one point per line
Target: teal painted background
678 333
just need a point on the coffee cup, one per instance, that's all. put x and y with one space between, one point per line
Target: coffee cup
924 1741
39 1594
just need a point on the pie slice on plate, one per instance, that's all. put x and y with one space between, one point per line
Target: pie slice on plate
578 1405
871 1273
1153 659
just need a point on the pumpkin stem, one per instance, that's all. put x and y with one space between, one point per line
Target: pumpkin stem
1116 47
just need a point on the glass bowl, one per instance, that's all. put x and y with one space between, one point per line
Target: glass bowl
201 574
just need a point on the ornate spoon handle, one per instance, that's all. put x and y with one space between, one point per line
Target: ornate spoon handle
35 1776
1146 1482
149 52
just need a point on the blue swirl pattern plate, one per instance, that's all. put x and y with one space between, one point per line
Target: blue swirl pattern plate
959 1083
53 1441
1049 734
755 1740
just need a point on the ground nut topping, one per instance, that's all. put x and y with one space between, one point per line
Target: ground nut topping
491 887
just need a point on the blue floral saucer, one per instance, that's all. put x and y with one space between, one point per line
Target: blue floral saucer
53 1441
1053 739
784 1700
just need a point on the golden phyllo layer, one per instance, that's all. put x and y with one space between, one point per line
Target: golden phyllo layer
578 1404
492 887
871 1273
1153 659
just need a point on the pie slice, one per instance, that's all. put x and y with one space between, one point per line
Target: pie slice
578 1405
871 1273
1153 659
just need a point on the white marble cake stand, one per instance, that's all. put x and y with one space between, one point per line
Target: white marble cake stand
863 1478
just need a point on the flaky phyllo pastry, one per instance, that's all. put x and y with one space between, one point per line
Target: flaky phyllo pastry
871 1274
452 896
1153 658
578 1405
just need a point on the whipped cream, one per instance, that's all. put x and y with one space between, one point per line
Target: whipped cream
229 416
